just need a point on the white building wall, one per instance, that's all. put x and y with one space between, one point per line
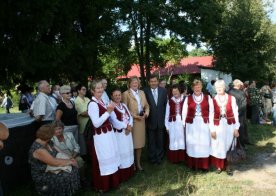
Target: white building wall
209 74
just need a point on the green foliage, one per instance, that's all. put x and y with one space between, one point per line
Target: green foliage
170 50
147 20
200 52
55 40
244 41
70 40
185 77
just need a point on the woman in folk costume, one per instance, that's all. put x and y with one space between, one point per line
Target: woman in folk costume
135 100
104 148
224 128
122 122
174 126
196 114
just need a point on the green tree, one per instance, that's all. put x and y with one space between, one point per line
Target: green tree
56 40
243 44
200 52
69 40
192 21
168 50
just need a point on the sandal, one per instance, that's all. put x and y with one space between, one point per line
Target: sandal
219 171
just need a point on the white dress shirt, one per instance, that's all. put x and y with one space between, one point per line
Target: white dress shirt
138 98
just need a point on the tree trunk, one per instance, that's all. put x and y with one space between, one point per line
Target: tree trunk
147 42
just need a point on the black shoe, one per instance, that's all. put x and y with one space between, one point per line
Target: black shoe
204 170
158 162
140 169
229 172
153 162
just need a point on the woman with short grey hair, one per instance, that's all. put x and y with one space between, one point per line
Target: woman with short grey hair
224 126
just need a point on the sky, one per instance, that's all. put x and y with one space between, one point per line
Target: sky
273 14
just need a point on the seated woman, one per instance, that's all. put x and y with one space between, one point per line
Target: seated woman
122 122
42 154
66 142
174 126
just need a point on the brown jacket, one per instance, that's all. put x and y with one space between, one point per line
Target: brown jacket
139 127
131 102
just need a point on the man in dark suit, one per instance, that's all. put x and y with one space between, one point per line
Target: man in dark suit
241 102
155 124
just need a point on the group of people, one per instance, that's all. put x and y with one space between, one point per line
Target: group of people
262 102
108 134
112 131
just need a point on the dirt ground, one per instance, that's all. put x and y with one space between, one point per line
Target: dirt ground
260 173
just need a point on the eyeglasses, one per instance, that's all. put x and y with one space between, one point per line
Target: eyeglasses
68 93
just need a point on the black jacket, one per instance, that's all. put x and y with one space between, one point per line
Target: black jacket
156 118
241 100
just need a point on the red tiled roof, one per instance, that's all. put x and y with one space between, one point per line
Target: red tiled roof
190 65
134 71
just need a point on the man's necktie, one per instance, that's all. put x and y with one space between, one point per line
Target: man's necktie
155 95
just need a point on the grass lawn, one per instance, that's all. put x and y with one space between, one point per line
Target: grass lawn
176 179
12 110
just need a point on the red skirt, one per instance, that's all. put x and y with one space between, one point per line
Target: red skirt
218 163
101 183
126 173
197 163
176 156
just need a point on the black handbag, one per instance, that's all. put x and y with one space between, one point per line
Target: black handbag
88 130
268 95
235 154
87 133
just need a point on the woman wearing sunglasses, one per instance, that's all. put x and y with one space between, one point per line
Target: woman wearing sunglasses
67 113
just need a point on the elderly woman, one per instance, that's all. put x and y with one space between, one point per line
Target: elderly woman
225 126
174 126
138 106
122 122
196 115
67 113
42 154
66 142
103 146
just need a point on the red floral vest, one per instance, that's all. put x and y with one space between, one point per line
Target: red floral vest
172 115
106 126
229 112
120 116
204 106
